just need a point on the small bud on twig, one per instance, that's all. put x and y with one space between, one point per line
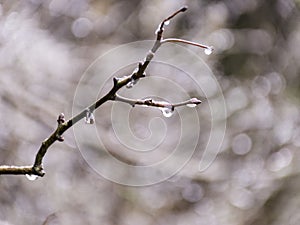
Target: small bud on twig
61 118
60 138
115 80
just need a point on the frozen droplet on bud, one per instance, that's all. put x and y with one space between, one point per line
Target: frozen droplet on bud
167 110
167 22
31 177
89 117
208 50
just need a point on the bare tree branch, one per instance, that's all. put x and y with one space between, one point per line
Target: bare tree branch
37 168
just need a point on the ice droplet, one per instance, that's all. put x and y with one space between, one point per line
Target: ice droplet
167 22
191 105
167 111
208 50
89 118
31 177
131 83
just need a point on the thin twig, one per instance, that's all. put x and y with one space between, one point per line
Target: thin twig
186 42
155 103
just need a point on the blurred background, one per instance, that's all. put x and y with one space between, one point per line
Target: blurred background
45 47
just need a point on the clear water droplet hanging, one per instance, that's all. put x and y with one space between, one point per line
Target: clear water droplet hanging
191 105
31 177
167 110
132 82
208 50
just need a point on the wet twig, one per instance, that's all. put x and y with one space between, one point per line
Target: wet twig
62 125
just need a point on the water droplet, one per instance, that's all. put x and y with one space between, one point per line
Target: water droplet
89 118
208 50
135 70
191 105
167 22
131 83
31 177
167 111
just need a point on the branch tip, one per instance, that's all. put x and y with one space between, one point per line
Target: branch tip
195 101
184 8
